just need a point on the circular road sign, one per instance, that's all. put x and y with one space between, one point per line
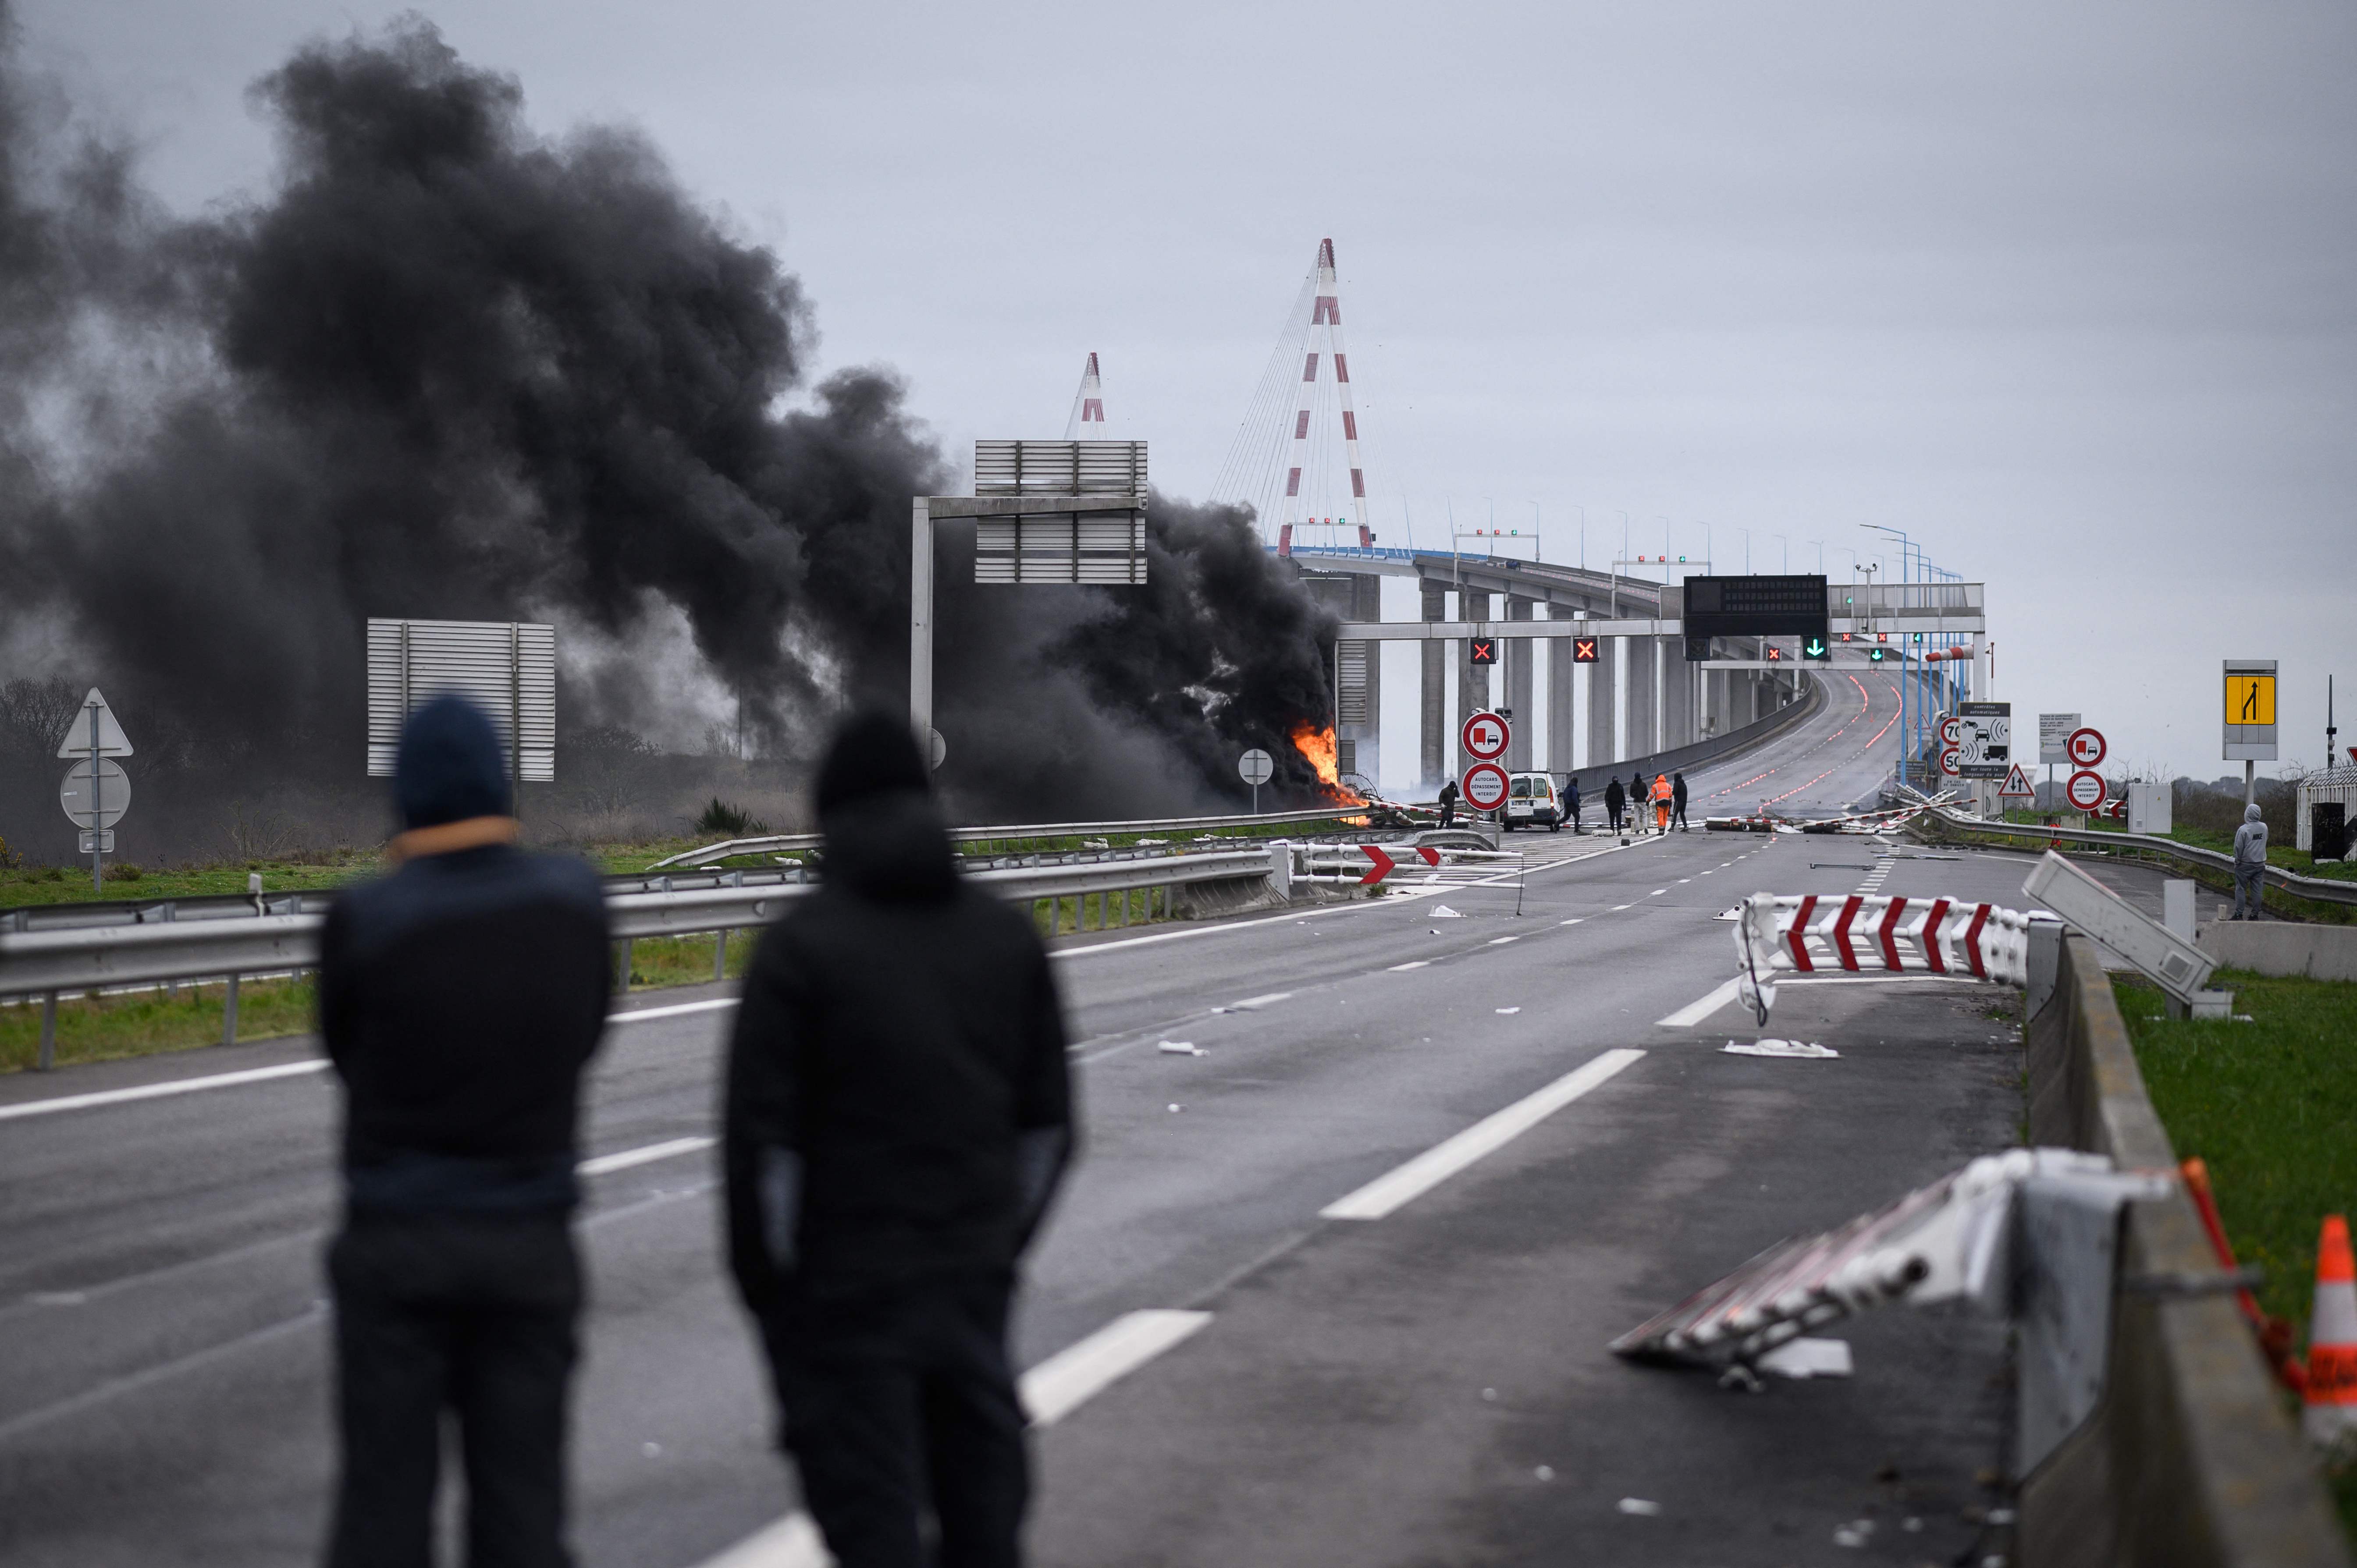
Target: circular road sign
1256 766
1484 786
114 794
2087 747
1950 759
1952 730
1485 736
2085 790
939 747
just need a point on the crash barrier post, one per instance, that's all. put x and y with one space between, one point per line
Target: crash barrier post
2188 1457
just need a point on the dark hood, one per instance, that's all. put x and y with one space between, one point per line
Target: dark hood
890 847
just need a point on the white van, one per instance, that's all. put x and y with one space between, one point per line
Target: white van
1530 798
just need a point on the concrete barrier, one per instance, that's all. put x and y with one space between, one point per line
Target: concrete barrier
2280 947
2190 1456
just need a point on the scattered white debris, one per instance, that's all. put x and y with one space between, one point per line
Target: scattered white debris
1505 1011
1857 1532
1150 841
1643 1508
1781 1048
1545 1472
1180 1049
1096 844
1489 1394
651 1450
1733 913
1174 1108
1445 913
1807 1358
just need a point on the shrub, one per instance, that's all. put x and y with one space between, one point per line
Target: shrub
129 871
730 822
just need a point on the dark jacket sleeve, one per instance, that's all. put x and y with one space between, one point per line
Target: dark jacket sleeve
761 1121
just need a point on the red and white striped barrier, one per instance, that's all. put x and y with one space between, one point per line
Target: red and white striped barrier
1854 933
1937 936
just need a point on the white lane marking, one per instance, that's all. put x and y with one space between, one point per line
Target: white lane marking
1684 880
1693 1013
1618 907
1403 968
1419 1176
672 1010
1072 1376
604 1165
1500 941
157 1090
1574 921
1050 1390
1251 1002
1657 892
284 1069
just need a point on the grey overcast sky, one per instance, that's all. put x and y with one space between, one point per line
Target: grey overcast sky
2063 291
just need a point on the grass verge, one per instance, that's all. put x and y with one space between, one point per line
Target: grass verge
146 1023
2270 1104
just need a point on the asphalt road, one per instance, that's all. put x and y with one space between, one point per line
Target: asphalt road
1426 1386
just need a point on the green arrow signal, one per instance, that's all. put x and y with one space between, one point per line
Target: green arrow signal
1815 650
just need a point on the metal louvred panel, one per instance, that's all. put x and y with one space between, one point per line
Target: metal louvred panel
1350 683
508 669
1059 468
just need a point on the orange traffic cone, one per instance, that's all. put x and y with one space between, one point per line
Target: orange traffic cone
2333 1337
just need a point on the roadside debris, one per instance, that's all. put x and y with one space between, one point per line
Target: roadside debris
1443 912
1807 1358
1805 1049
1643 1508
1505 1012
1180 1049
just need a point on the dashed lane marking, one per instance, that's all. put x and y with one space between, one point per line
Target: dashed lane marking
1500 941
1050 1390
605 1165
1694 1012
1405 1182
1403 968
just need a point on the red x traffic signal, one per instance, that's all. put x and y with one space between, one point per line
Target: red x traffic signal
1481 651
1583 650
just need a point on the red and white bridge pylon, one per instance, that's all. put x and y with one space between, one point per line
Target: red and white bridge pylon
1088 420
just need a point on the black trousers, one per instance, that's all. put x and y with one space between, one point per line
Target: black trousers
470 1316
902 1418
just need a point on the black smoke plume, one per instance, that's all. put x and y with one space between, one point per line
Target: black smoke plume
454 368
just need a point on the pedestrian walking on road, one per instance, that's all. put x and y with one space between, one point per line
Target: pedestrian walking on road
459 1000
1571 795
1447 801
899 1115
1615 802
1678 800
2250 865
1661 802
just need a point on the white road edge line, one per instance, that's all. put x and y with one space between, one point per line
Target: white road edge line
1050 1390
1403 968
1267 1000
284 1069
1693 1013
1405 1184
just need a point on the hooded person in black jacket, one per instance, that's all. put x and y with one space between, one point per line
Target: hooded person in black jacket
459 1000
898 1114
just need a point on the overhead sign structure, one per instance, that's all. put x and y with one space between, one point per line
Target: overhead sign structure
2085 748
2054 732
1984 739
505 668
2017 786
1484 738
1755 607
1096 535
2250 710
1484 786
2085 790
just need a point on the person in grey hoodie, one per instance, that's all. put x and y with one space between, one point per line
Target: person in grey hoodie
2250 864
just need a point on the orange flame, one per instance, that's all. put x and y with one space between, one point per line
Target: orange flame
1317 749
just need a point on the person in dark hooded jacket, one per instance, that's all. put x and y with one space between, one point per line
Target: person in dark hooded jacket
1615 802
899 1115
460 999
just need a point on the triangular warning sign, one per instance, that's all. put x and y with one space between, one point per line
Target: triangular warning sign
112 741
2017 783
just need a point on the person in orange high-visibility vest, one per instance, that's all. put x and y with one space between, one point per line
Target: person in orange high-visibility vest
1661 798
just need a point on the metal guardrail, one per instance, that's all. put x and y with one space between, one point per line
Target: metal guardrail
286 938
2324 889
781 843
